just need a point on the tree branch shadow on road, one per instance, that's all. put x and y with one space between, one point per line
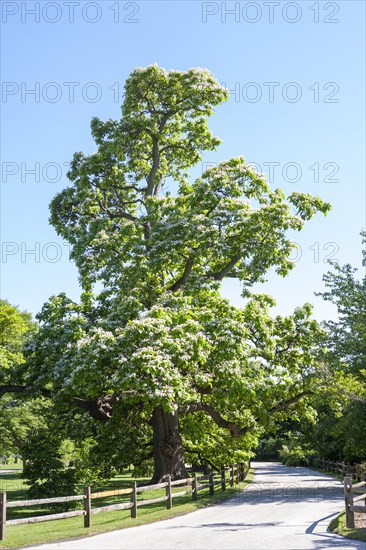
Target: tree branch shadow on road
227 526
328 540
333 541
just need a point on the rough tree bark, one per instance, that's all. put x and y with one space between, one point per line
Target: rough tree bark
168 448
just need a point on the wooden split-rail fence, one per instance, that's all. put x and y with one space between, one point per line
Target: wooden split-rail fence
345 468
192 485
354 503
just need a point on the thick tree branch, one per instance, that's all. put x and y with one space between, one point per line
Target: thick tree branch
116 215
16 388
143 459
182 280
155 167
156 158
99 408
234 429
229 266
288 402
201 458
204 390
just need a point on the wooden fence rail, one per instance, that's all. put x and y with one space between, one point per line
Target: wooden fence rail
350 500
357 470
192 485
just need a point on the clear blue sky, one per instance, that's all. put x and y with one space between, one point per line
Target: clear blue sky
296 70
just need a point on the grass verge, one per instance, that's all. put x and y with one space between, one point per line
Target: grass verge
338 526
72 528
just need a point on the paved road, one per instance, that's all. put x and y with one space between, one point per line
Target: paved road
285 508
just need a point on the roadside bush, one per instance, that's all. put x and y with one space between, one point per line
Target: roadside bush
293 454
46 471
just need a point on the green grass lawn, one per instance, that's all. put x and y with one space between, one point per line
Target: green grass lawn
338 525
23 535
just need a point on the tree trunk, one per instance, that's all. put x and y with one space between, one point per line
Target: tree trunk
168 448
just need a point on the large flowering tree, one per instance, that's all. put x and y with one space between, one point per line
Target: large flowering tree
153 349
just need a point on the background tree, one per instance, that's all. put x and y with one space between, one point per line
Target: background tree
337 430
157 347
345 358
18 416
14 327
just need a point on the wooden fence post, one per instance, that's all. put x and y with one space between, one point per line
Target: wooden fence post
2 515
211 483
231 476
194 487
134 499
237 477
168 492
87 507
358 471
363 478
223 479
348 502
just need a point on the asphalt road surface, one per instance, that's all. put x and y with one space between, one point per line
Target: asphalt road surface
284 508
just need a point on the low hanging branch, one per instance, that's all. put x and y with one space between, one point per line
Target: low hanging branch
99 408
200 458
288 402
16 388
234 429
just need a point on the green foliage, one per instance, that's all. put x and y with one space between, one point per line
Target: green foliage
346 353
269 447
19 417
14 328
45 470
337 430
345 360
295 454
56 467
88 469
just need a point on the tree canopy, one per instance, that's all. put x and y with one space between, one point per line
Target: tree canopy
152 349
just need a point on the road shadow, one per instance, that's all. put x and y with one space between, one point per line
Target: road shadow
331 541
228 526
